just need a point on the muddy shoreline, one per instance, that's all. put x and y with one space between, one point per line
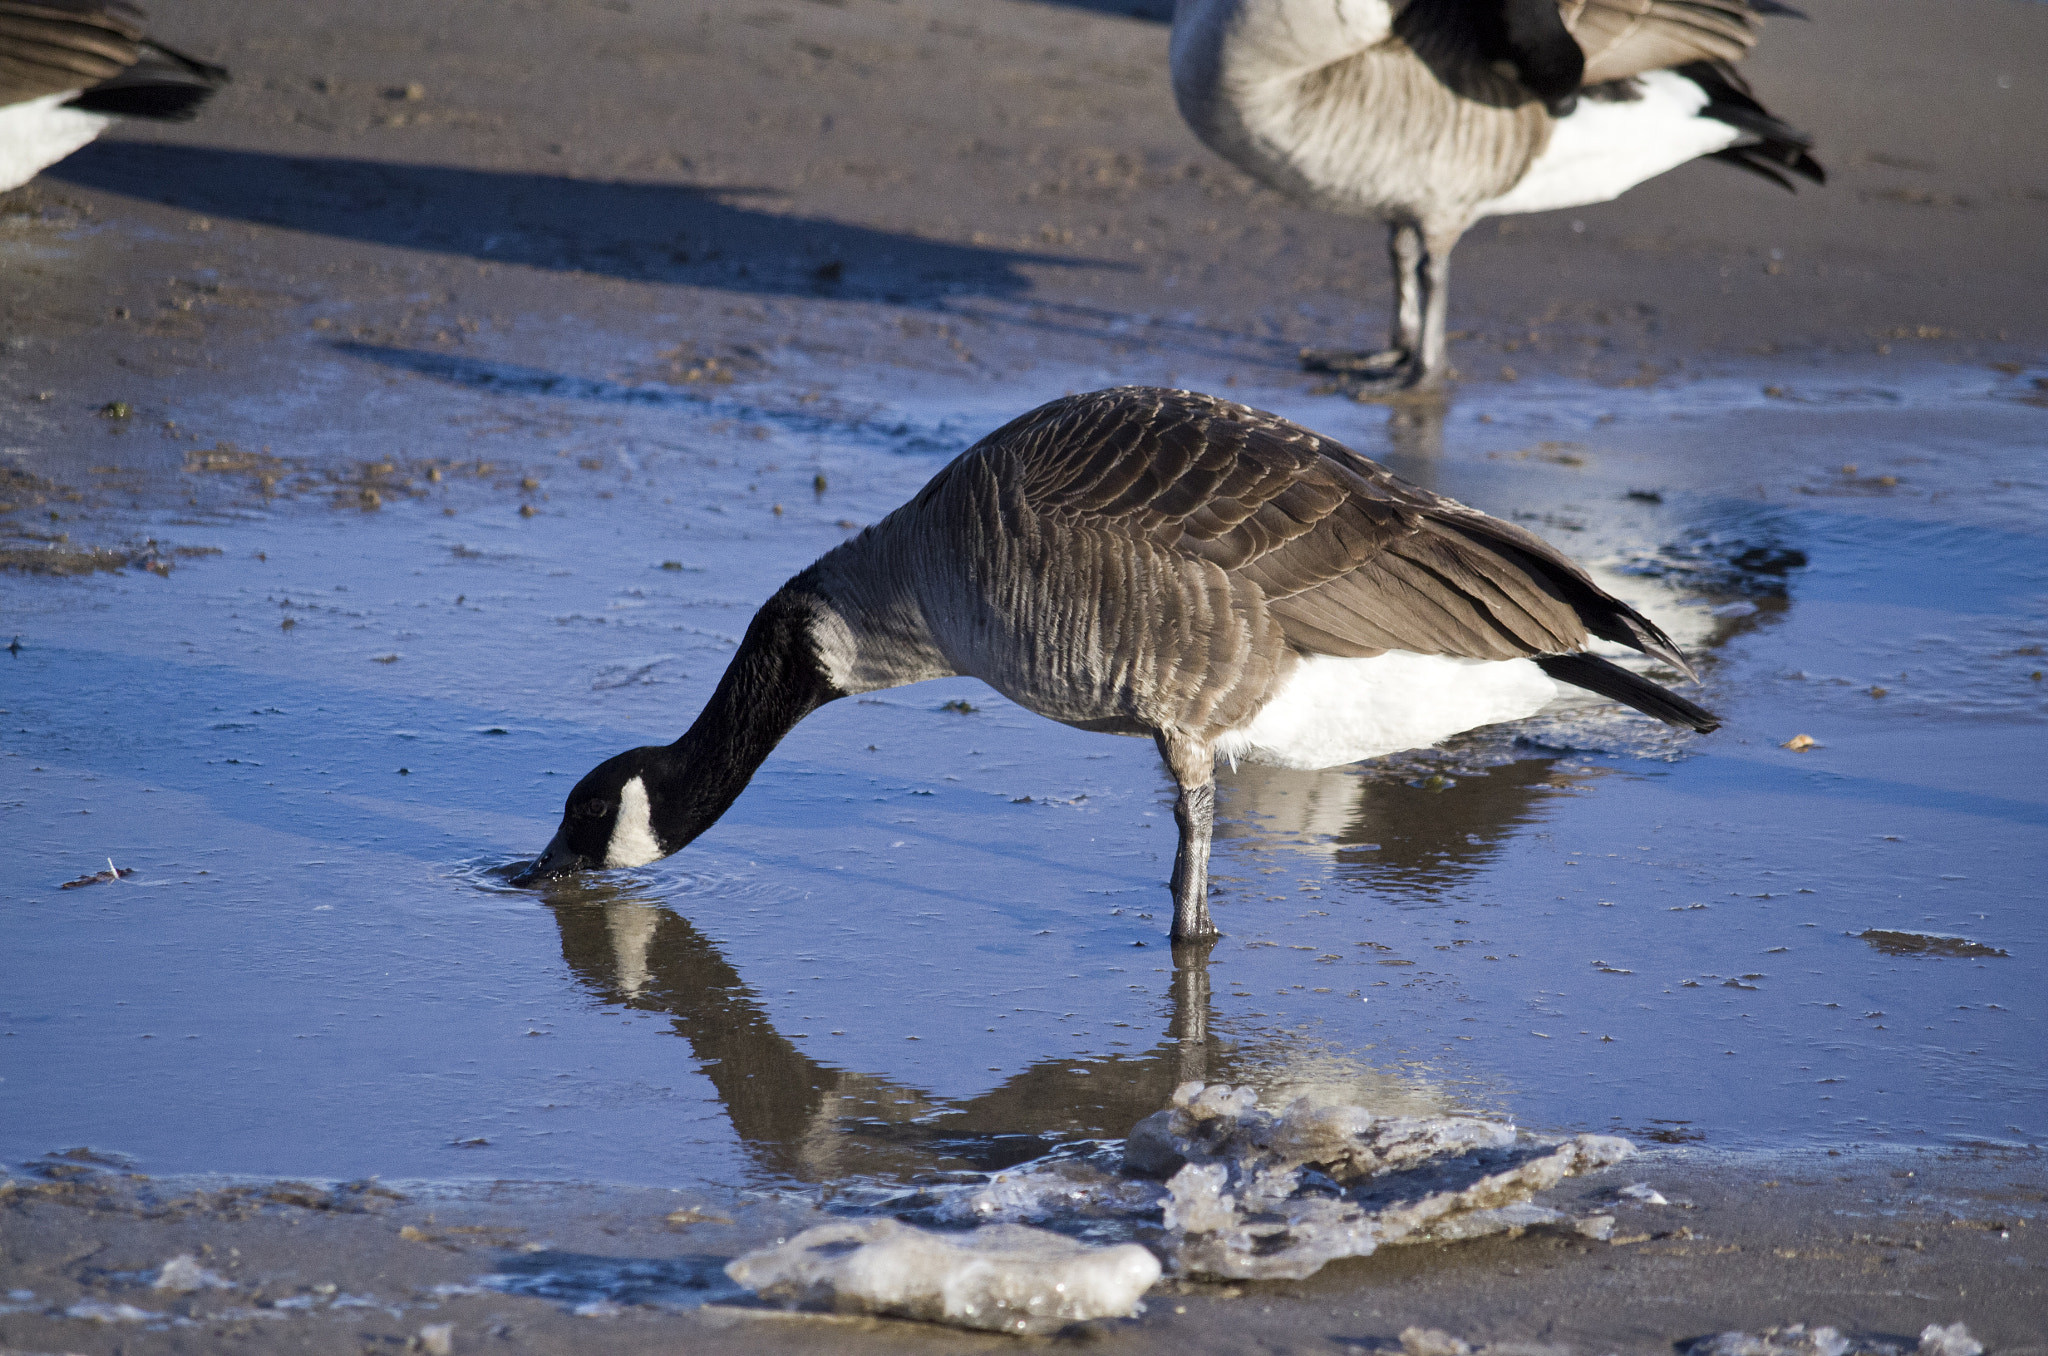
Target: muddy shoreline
1879 1246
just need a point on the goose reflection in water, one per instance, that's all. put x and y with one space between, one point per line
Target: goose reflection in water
803 1119
1400 835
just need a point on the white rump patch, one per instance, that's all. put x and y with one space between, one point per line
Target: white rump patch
39 132
1601 150
633 841
1335 711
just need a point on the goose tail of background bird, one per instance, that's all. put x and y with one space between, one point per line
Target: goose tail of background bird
1778 149
163 83
1616 683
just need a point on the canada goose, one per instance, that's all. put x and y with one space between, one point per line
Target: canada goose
68 68
1431 114
1150 562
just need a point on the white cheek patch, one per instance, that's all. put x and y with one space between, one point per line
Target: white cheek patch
633 841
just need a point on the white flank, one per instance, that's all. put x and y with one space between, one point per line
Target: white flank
40 132
633 841
1602 149
1336 711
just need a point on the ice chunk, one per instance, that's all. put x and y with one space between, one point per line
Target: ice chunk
1799 1340
183 1274
1000 1277
436 1339
101 1311
1432 1342
1954 1340
1796 1340
1644 1192
1067 1190
1209 1122
1263 1197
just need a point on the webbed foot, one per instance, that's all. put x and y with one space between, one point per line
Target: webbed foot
1344 362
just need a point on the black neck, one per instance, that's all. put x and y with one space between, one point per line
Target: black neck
773 682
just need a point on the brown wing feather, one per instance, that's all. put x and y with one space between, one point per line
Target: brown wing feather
1347 557
1622 38
51 47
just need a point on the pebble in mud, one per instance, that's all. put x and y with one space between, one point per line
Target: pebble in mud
183 1274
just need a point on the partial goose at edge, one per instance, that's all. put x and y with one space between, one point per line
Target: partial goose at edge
1156 563
69 68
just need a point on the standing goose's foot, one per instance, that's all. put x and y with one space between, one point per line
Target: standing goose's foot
1345 362
1389 374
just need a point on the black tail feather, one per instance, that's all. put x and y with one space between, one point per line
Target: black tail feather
1778 147
163 84
1616 683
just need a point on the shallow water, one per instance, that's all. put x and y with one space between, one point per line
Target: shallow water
929 937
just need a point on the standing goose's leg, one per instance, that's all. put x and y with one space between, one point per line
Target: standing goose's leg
1193 764
1388 368
1432 363
1404 249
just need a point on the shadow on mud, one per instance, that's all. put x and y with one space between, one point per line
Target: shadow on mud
643 232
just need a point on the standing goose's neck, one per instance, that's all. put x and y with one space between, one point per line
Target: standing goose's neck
774 681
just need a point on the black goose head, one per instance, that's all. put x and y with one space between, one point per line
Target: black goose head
616 816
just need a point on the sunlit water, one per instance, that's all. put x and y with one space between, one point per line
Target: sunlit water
929 937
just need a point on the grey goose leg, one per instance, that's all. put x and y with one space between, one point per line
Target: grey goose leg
1390 368
1433 363
1423 265
1193 765
1404 248
1195 814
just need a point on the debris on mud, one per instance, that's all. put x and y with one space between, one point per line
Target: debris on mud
1894 943
58 557
1000 1278
100 877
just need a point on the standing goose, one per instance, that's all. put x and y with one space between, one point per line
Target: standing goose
1150 562
68 68
1431 114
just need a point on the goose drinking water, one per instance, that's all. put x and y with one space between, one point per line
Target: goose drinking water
1430 114
1159 563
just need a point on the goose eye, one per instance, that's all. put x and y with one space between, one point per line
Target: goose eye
594 809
